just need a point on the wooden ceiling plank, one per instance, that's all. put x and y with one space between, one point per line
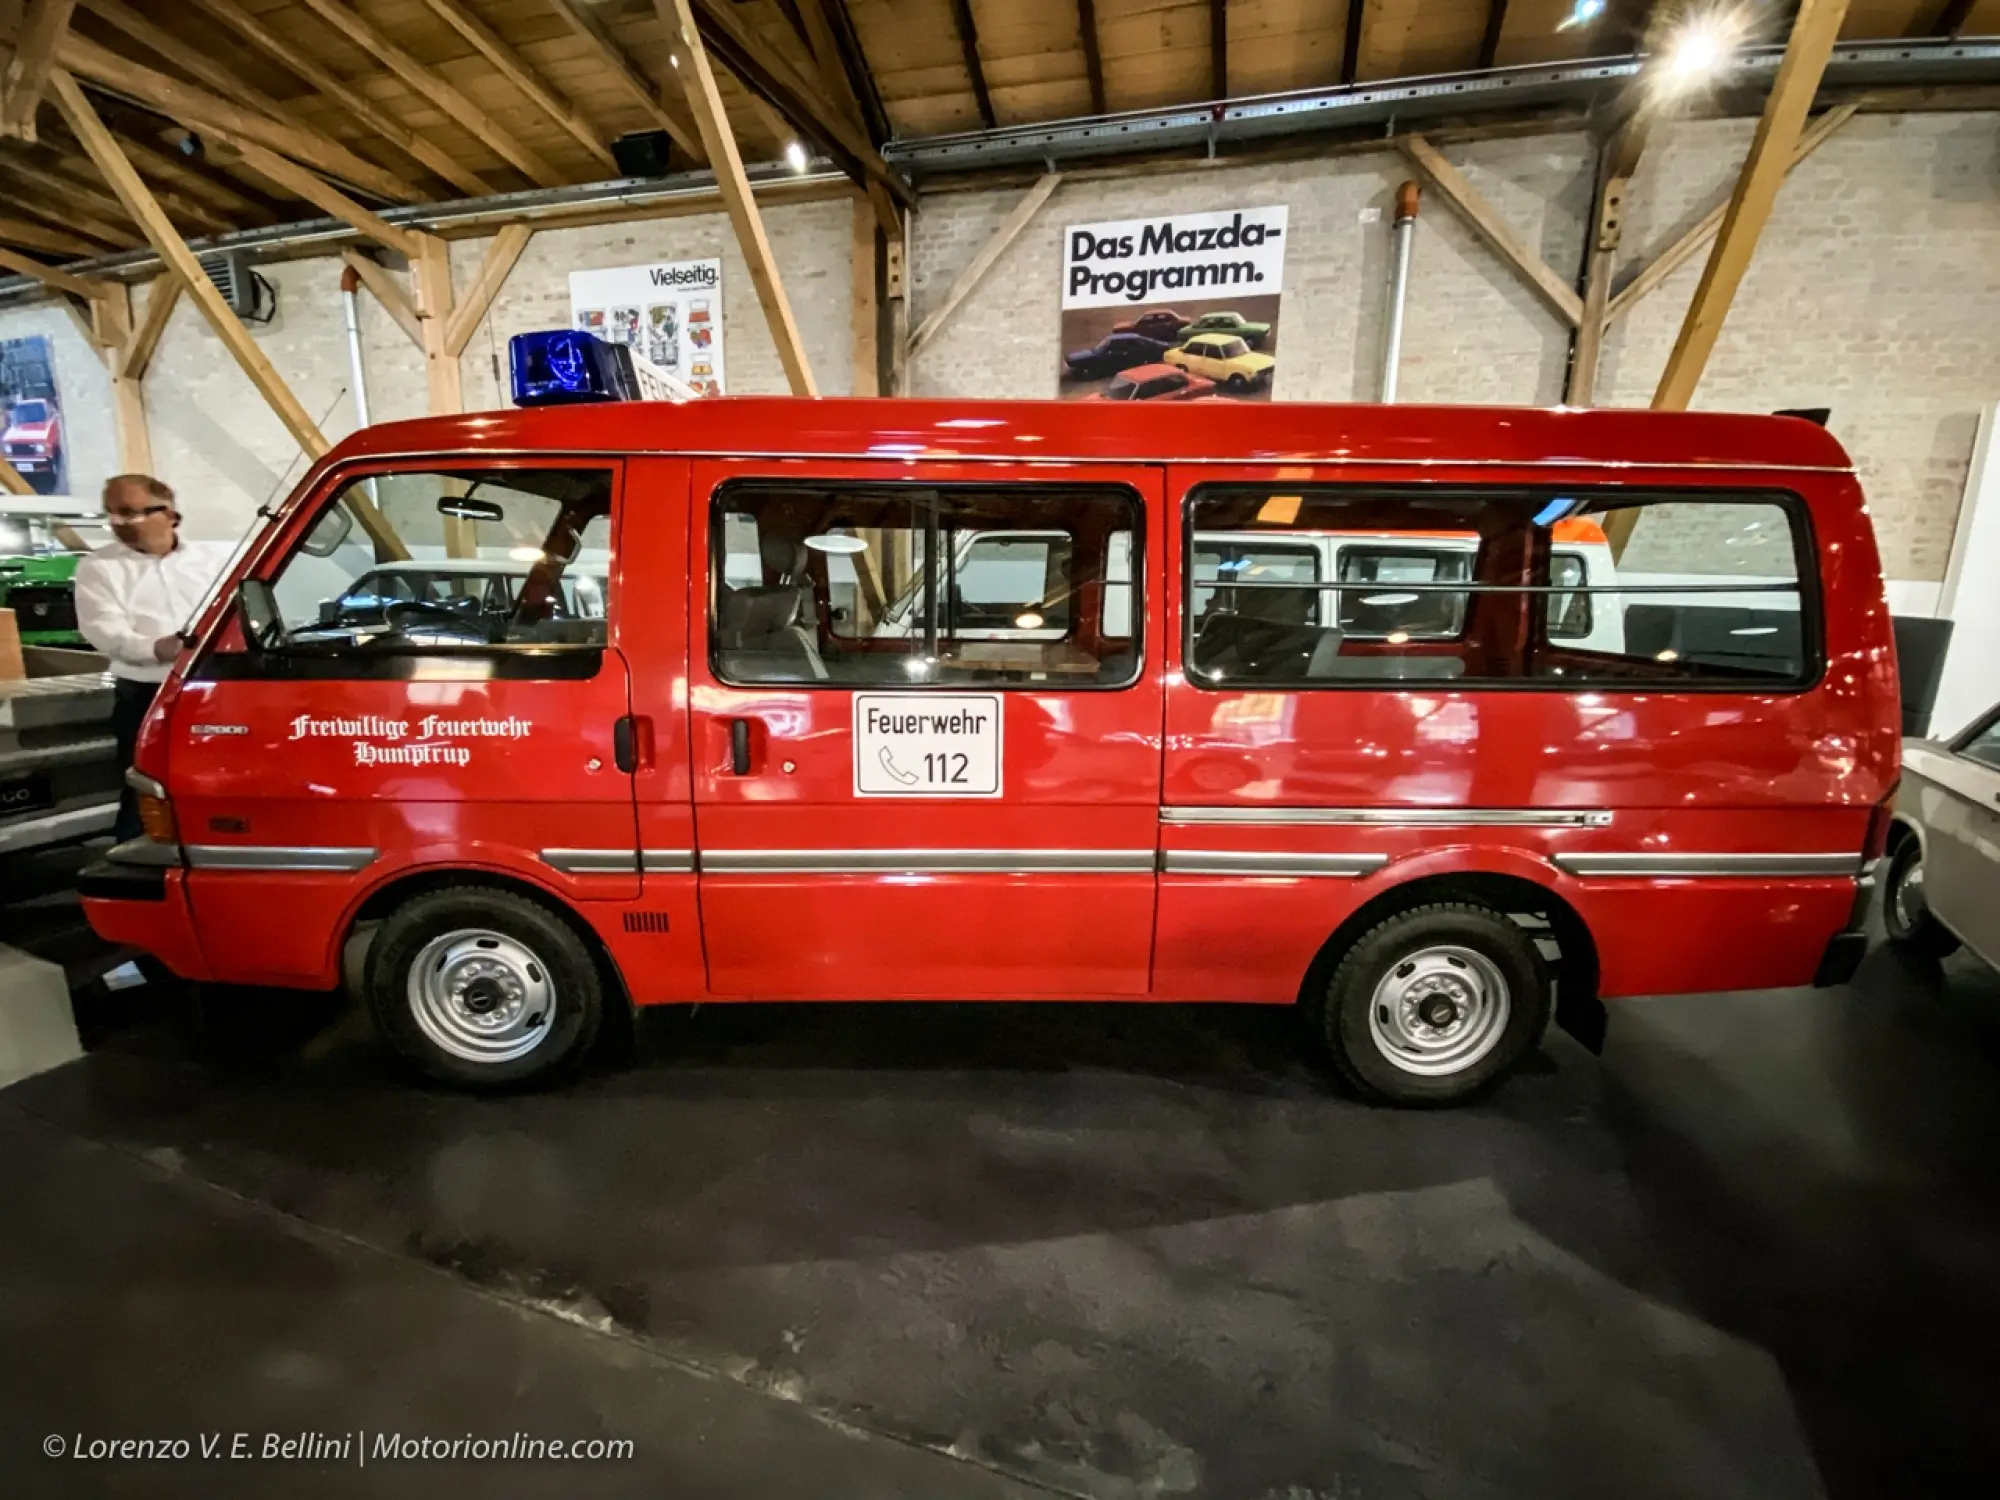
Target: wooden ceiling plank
190 59
82 208
199 109
975 70
589 30
679 18
49 276
363 34
521 74
1093 59
27 72
411 143
167 243
216 199
1814 31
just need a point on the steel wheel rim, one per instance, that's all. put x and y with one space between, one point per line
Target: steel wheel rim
481 996
1405 1014
1908 896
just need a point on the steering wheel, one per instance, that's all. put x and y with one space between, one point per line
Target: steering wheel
406 613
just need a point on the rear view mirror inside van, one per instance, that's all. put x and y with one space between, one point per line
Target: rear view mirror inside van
465 508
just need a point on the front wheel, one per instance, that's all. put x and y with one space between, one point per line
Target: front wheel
1433 1004
483 988
1906 912
1239 383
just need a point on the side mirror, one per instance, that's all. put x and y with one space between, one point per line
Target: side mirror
263 626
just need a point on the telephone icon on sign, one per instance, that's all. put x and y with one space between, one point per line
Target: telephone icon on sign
907 778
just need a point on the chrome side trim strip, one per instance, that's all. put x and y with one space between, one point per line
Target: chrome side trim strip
146 854
1389 817
1268 862
143 784
1702 865
278 857
925 861
592 861
667 861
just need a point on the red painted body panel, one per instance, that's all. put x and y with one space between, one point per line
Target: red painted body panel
163 928
1678 772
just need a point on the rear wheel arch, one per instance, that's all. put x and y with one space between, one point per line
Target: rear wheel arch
1579 1011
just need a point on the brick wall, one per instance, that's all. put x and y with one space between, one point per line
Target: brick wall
1876 291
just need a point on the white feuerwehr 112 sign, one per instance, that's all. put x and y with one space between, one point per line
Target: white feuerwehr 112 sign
927 744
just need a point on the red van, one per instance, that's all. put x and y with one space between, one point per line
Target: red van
1434 722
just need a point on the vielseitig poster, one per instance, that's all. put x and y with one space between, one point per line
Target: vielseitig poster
1177 308
670 312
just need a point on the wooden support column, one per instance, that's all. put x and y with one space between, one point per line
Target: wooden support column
867 268
389 292
996 246
432 266
1615 165
1814 31
896 292
111 327
720 145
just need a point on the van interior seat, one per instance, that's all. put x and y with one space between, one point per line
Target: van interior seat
762 638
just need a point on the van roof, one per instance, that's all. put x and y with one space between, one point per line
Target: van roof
1128 432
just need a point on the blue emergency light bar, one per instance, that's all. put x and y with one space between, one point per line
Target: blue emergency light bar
568 367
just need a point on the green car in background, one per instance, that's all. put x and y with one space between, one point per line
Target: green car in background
39 550
1235 323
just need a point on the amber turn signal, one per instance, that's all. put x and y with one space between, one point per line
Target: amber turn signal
156 816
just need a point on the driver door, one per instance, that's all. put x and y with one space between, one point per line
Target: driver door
433 695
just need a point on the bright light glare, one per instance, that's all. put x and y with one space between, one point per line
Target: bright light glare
525 554
1698 51
1581 14
1027 619
795 156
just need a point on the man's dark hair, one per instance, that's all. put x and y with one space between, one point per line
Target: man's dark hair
157 488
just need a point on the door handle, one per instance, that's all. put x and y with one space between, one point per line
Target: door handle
739 746
625 745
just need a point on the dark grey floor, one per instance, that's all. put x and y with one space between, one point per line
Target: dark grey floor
971 1251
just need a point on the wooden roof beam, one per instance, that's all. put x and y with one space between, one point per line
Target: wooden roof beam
80 208
33 236
625 72
27 72
167 243
388 291
49 276
419 148
990 252
679 17
185 102
518 71
824 45
136 356
1218 49
190 59
161 167
1950 19
1815 29
352 25
975 70
1485 219
323 196
805 104
1350 46
477 299
1093 56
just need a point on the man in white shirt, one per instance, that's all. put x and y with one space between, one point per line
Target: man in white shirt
134 595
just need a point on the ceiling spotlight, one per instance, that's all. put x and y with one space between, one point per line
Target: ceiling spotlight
1698 51
1581 14
795 156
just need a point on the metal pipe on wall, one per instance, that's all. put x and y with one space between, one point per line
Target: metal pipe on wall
1403 239
350 284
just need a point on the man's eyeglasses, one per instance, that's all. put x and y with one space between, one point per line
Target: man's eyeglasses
134 517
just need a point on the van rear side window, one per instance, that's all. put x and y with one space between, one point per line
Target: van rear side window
1547 588
917 586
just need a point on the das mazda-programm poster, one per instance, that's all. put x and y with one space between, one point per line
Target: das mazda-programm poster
1178 308
669 312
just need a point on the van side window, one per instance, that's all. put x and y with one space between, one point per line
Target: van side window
918 586
454 558
1525 587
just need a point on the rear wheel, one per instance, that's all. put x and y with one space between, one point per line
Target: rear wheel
1239 383
1433 1004
1906 912
483 988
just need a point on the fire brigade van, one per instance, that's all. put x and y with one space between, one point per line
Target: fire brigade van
1432 723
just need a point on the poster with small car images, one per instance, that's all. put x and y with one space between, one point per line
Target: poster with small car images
1178 308
31 424
669 312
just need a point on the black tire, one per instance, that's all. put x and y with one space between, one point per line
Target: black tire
1906 913
1457 954
484 989
1239 383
